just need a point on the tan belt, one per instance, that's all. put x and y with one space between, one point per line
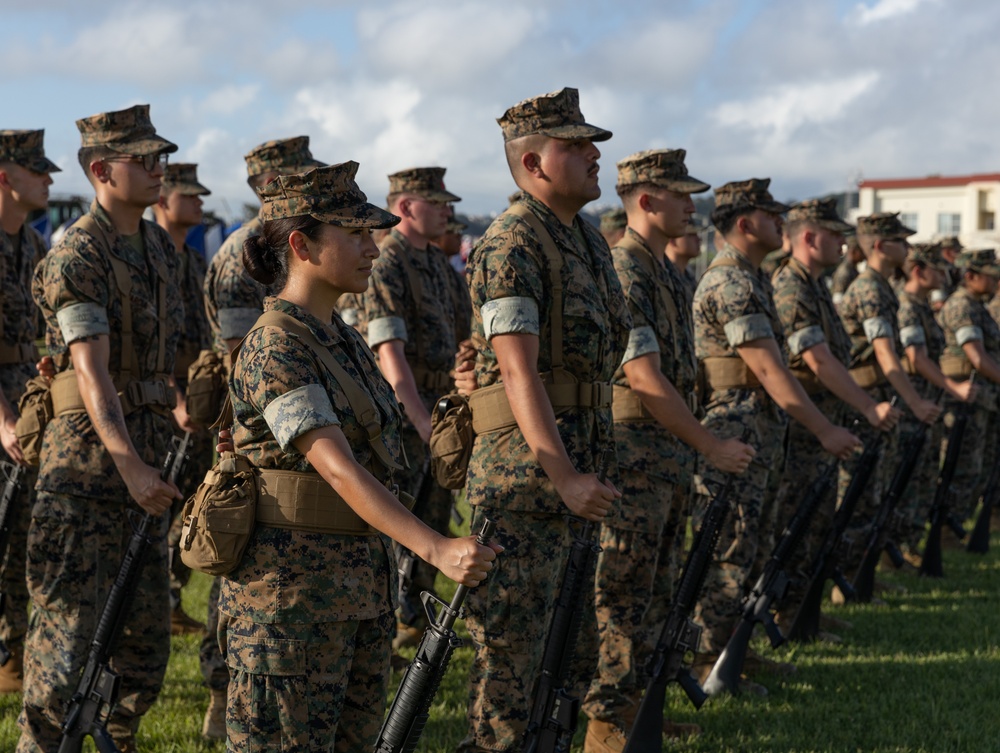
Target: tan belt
20 353
626 406
728 373
908 367
868 376
428 380
491 410
956 367
155 393
808 380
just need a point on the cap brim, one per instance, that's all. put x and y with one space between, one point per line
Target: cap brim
41 165
446 197
772 206
688 185
836 226
141 147
188 189
362 215
577 131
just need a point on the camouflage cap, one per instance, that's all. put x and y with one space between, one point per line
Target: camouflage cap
328 194
982 260
25 148
928 255
124 131
661 167
455 226
182 177
822 212
426 182
283 156
950 242
748 194
884 225
613 219
556 114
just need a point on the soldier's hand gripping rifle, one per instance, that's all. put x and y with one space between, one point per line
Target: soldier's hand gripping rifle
554 712
834 549
769 588
979 539
680 634
409 711
97 692
12 475
878 537
941 514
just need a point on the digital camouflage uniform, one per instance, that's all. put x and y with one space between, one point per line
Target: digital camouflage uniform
841 279
869 311
80 522
964 318
307 617
639 555
809 319
430 330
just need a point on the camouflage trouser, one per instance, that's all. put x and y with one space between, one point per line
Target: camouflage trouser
75 547
871 497
14 617
213 666
972 469
201 453
306 688
751 505
915 505
509 617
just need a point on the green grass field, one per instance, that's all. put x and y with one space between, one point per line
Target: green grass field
921 674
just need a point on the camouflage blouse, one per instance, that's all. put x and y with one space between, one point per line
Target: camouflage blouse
964 318
281 391
22 322
233 299
917 326
197 335
869 312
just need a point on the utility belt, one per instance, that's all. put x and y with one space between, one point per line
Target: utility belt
727 373
306 502
810 383
626 405
868 376
156 394
16 354
956 367
429 380
491 409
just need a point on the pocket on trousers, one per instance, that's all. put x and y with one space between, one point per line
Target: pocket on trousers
56 572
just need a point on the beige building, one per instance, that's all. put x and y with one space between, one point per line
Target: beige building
962 205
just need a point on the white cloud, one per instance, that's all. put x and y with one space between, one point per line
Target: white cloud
230 99
883 10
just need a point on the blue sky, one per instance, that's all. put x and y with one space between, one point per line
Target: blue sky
812 94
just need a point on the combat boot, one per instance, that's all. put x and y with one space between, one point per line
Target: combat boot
12 673
671 730
214 726
755 663
181 623
604 737
829 622
406 635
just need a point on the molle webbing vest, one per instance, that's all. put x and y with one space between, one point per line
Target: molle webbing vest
490 408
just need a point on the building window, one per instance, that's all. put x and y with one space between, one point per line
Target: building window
949 224
986 221
909 219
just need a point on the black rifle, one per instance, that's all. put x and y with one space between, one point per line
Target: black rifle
12 473
941 514
680 634
878 539
97 691
979 539
554 712
406 560
834 550
409 711
769 588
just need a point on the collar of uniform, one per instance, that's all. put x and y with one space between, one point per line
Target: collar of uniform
730 250
119 246
325 333
798 268
562 234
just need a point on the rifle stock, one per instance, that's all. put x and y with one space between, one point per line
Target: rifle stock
979 539
12 473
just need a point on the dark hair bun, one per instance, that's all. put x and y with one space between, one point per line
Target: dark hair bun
260 260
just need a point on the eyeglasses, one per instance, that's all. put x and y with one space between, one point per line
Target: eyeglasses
148 161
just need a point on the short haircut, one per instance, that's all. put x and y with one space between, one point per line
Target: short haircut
631 192
867 243
796 227
88 154
724 218
517 148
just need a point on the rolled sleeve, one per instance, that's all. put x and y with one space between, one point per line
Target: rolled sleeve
641 342
81 320
301 410
912 335
805 338
508 316
744 329
968 334
877 327
384 329
234 323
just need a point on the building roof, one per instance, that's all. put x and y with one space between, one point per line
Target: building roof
931 181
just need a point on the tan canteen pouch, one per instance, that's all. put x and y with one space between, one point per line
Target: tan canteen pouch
206 388
219 518
451 440
35 409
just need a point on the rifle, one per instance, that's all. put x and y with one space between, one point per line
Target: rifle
554 712
407 560
408 714
864 578
770 587
941 515
12 473
979 539
97 692
680 634
834 550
